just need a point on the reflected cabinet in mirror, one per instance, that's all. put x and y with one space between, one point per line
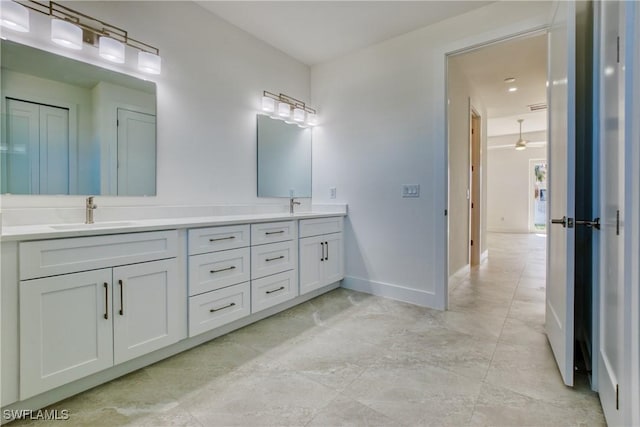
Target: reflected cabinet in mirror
73 128
284 159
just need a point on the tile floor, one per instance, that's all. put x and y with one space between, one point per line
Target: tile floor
350 359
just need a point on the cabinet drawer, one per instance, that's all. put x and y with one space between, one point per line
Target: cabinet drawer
216 308
270 232
273 290
61 256
273 258
315 227
203 240
208 272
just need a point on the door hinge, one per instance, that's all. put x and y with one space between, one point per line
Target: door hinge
117 122
471 168
445 212
472 243
617 222
617 397
618 49
471 205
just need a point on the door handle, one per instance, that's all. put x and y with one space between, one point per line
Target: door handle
326 245
121 297
322 256
590 224
566 222
106 301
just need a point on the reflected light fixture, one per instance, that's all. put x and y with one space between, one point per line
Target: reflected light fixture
111 50
289 109
521 144
14 16
70 28
66 34
513 89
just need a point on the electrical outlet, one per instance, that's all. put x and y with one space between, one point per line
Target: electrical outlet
410 190
332 192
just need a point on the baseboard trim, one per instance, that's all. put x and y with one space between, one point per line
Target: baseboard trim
391 291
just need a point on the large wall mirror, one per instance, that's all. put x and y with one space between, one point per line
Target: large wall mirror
69 127
284 159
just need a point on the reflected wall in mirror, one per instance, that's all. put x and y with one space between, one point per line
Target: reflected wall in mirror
284 159
69 127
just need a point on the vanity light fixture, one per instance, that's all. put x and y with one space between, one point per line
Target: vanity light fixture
111 50
71 28
289 109
14 16
66 34
521 144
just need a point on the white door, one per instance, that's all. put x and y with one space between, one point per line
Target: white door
612 96
559 318
54 150
333 265
146 305
136 153
21 154
311 263
65 329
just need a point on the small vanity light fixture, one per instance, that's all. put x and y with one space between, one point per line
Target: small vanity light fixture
149 62
66 34
14 16
111 50
289 109
521 144
70 28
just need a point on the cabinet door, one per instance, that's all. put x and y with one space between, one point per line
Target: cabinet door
65 329
311 263
333 258
146 302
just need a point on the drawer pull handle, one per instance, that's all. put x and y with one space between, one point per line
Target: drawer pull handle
222 238
121 298
213 310
274 232
275 290
326 245
322 256
222 269
106 300
273 259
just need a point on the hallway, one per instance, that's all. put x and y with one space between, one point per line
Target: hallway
348 358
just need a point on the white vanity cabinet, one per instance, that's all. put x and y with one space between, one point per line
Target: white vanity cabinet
76 323
321 253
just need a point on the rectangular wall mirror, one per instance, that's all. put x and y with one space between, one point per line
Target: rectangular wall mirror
284 159
69 127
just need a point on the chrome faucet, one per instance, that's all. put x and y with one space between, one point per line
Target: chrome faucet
89 211
292 203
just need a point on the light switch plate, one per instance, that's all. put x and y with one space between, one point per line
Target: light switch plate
410 190
332 192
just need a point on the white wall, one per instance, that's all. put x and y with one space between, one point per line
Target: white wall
383 125
509 186
209 92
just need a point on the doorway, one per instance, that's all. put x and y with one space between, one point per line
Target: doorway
475 185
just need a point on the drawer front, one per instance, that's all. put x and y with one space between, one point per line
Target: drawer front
203 240
216 308
270 232
208 272
273 258
60 256
273 290
316 227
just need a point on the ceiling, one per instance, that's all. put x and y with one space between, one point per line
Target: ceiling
524 59
318 31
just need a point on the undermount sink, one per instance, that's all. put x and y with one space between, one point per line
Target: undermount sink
92 226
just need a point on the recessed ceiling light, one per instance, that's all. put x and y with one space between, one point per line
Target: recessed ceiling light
513 89
510 80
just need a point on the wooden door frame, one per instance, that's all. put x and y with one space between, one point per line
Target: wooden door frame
475 185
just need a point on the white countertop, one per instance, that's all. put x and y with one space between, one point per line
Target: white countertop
55 231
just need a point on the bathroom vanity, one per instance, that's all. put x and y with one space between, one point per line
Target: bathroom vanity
83 304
